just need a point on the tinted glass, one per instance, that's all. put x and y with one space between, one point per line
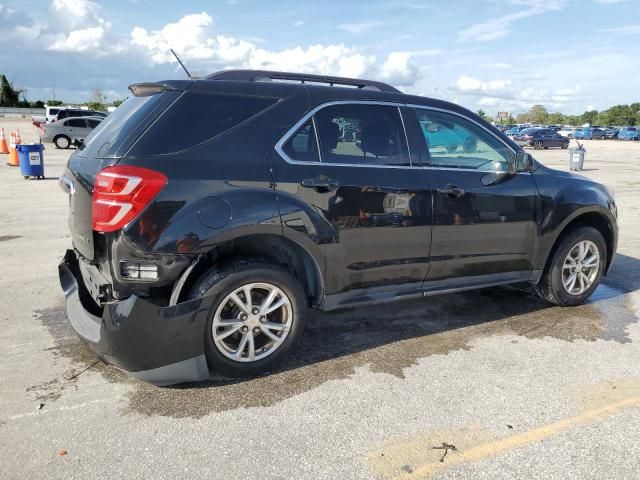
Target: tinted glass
196 118
454 142
529 131
116 132
362 135
54 111
76 122
302 146
93 123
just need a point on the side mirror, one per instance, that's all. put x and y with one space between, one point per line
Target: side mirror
524 162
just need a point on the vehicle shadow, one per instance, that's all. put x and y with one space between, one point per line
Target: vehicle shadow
389 338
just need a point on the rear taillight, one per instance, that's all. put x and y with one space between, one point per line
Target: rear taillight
122 192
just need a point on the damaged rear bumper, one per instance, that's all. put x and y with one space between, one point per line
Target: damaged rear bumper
160 345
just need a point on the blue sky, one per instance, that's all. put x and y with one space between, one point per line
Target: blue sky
569 55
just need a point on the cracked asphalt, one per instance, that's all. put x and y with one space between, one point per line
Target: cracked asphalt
520 388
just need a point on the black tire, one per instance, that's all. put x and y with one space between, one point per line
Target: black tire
222 281
538 145
62 142
550 287
565 146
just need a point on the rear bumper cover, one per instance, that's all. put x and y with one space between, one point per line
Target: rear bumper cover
160 345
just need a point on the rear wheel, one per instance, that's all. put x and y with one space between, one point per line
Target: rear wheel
257 318
565 146
576 268
62 141
538 145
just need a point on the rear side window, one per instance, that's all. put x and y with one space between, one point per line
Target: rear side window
362 135
302 147
196 118
76 122
93 123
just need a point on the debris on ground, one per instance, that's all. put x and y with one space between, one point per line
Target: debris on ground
446 447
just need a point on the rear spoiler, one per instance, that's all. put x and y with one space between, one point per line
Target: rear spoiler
149 88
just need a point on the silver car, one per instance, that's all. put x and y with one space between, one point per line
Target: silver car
63 132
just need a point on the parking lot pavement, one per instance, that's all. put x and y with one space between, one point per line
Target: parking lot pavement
495 383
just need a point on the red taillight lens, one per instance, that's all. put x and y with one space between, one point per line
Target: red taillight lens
122 192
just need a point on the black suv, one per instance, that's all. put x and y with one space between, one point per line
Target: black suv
207 215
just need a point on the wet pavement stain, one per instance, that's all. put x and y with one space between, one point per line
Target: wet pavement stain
388 338
6 238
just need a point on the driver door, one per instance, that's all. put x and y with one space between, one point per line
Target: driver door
484 222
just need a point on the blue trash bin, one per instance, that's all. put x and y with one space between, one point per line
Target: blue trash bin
31 160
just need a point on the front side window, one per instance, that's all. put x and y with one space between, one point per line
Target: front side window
359 134
454 142
93 123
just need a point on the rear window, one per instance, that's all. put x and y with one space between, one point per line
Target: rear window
117 131
196 118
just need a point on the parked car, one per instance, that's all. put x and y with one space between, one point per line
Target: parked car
566 132
611 133
582 134
628 133
598 133
77 112
63 132
540 138
208 215
513 131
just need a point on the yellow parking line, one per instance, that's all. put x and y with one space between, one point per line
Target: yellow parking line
512 442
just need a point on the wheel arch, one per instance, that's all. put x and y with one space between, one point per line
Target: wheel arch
590 218
276 248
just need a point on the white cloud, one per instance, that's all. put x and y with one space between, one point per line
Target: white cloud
501 26
624 30
88 39
193 38
358 28
608 2
399 69
506 95
298 23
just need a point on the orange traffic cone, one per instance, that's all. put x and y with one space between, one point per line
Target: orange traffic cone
4 148
14 159
18 138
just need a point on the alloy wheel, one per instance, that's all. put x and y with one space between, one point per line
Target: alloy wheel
580 268
252 322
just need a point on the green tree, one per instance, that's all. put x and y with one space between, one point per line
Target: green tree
37 104
538 114
590 117
54 103
481 113
117 103
9 96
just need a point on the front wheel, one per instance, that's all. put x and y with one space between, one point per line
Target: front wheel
575 269
538 145
257 318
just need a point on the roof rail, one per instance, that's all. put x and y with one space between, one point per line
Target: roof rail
267 75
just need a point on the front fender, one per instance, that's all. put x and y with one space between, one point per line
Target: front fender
563 199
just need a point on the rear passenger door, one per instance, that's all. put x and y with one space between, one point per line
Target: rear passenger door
484 220
77 128
348 185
